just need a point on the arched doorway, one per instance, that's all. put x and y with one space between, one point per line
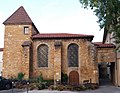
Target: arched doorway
74 78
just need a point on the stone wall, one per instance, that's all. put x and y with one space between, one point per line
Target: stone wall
1 62
106 55
13 58
87 68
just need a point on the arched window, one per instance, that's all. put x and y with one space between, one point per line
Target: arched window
42 54
73 55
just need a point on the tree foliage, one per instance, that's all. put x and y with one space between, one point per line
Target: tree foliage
108 13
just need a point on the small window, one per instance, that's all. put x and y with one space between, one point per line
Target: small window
26 30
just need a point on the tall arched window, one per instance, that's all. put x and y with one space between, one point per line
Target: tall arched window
73 55
42 54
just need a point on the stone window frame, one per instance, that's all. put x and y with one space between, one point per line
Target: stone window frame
69 59
38 64
26 30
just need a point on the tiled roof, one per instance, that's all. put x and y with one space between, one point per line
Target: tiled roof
60 35
101 45
1 49
20 16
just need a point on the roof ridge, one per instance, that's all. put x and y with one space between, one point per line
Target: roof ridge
60 36
66 34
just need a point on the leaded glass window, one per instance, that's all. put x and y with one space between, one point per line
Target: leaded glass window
73 55
42 55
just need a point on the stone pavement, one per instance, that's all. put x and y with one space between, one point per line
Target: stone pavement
102 89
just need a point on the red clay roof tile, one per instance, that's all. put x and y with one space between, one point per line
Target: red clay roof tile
1 49
60 35
20 16
101 45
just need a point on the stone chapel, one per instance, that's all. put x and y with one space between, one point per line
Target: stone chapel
28 51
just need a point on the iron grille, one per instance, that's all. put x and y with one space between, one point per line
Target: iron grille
43 56
73 55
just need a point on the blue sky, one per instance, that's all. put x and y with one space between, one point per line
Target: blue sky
53 16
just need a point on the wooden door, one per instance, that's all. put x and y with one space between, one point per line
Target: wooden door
74 78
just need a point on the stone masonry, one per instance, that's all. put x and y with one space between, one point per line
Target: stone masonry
86 67
13 57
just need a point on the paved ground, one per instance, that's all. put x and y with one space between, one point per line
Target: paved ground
13 91
102 89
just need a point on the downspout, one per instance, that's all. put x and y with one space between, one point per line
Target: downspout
116 68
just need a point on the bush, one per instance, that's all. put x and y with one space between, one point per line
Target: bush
40 78
64 78
40 83
21 84
33 80
69 87
51 87
37 86
80 88
73 88
34 83
40 86
33 86
92 86
20 76
58 87
47 83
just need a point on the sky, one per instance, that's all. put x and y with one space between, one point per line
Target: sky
54 16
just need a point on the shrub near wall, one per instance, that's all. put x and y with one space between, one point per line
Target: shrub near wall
34 83
39 83
64 78
90 86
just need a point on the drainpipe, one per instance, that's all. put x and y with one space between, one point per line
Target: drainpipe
116 68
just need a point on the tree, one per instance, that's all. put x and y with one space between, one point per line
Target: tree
108 13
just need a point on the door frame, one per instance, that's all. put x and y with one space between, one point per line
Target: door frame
74 78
